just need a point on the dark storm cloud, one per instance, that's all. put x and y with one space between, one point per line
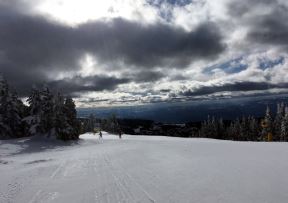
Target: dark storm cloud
150 45
90 83
32 46
239 8
146 76
238 86
178 77
270 28
17 5
165 91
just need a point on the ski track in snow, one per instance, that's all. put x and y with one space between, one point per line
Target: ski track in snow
144 169
125 183
42 196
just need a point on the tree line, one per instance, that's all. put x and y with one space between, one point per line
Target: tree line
93 124
270 128
47 114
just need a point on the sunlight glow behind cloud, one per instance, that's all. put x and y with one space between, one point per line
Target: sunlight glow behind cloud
119 52
75 12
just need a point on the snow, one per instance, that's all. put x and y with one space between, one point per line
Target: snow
142 169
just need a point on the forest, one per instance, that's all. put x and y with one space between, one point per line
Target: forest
46 115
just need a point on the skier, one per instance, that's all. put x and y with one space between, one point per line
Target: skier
120 134
100 135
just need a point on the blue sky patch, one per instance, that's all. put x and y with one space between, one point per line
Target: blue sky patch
267 63
233 66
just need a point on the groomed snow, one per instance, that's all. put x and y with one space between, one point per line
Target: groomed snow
142 169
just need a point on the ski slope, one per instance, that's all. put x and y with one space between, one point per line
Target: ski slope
142 169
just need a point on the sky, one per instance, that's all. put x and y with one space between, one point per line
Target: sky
127 52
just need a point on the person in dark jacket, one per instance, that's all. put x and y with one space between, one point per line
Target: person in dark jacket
120 134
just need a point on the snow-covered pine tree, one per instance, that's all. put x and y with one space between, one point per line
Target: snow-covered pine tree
71 115
253 129
278 121
61 123
203 129
220 129
66 124
47 114
237 128
284 126
213 128
243 129
10 112
206 128
33 120
41 112
282 108
268 124
228 131
15 114
5 129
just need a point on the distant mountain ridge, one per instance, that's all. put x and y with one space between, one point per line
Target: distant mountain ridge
191 111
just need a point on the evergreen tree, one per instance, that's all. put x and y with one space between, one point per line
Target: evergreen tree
15 115
213 128
220 129
66 124
35 113
52 116
254 128
61 123
203 129
206 128
71 116
244 129
47 114
267 124
284 127
277 122
5 130
10 112
236 127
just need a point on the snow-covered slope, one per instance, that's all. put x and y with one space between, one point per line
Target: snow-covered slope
143 169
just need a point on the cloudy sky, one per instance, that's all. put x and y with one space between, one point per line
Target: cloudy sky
127 52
